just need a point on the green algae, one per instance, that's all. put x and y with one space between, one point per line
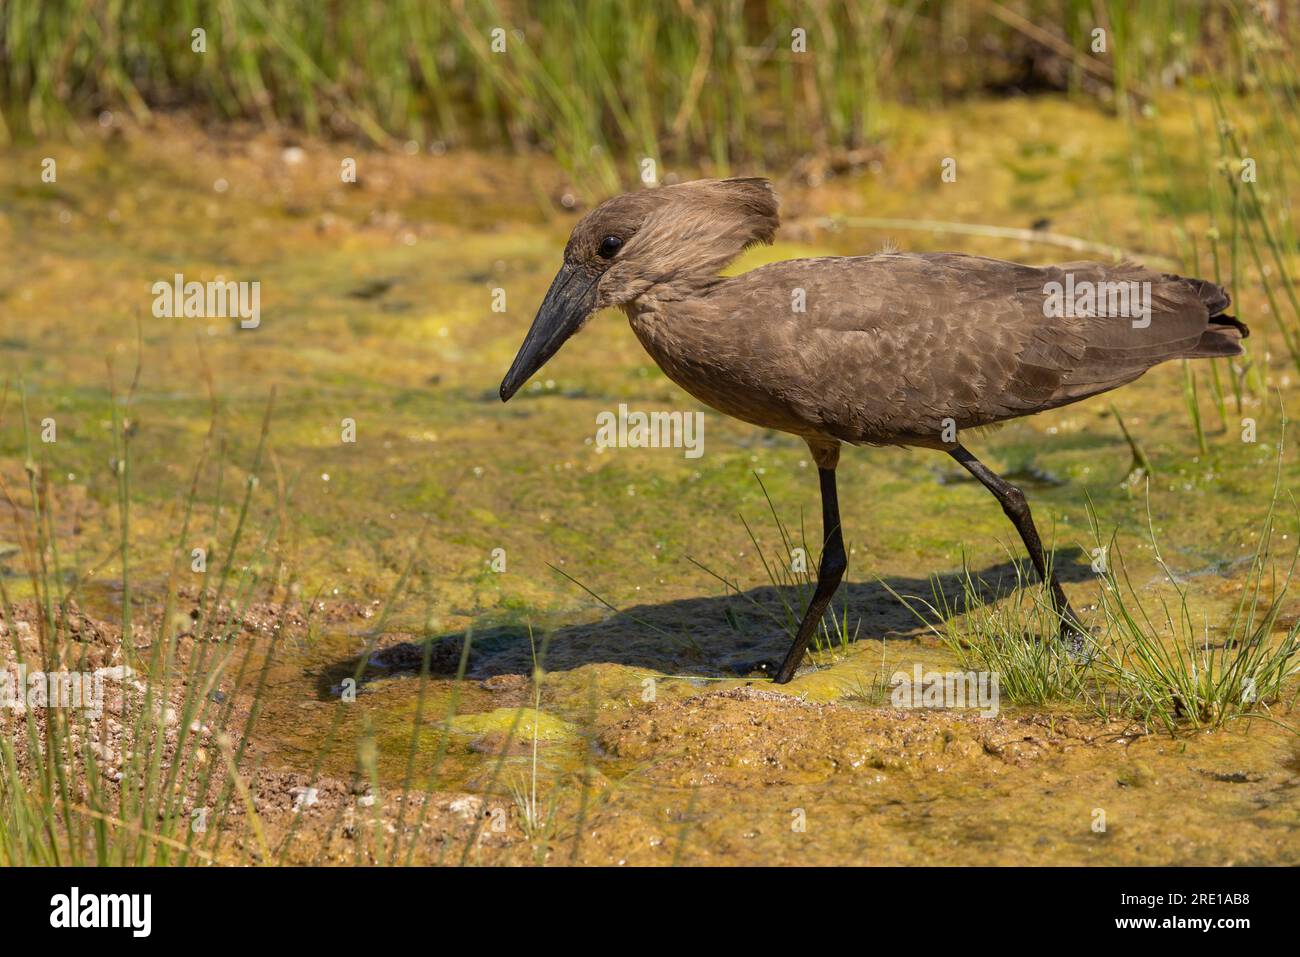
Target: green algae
524 724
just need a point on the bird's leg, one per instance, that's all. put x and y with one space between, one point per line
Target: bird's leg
829 572
1017 509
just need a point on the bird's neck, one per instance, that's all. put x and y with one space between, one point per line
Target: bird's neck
664 319
666 295
665 310
657 306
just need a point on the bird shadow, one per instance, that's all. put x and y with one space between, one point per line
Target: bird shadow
710 636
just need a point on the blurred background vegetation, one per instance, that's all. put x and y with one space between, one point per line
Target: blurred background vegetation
589 80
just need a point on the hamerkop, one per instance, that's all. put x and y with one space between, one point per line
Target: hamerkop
892 349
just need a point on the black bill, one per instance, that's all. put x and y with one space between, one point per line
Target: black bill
570 300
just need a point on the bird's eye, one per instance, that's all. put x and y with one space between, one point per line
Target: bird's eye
609 246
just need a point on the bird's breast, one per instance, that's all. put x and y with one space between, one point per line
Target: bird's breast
699 357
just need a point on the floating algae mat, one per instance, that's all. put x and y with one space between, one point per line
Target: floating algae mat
524 724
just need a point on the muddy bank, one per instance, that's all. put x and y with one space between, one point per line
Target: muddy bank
581 768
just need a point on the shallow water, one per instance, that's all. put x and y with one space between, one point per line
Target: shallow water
376 307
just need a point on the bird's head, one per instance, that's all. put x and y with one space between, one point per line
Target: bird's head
669 239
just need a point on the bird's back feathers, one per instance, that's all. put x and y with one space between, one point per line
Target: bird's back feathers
901 348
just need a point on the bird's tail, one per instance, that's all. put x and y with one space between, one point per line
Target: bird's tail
1225 332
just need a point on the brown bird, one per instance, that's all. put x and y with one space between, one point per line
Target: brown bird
892 349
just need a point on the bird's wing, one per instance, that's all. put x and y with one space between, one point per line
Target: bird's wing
901 346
